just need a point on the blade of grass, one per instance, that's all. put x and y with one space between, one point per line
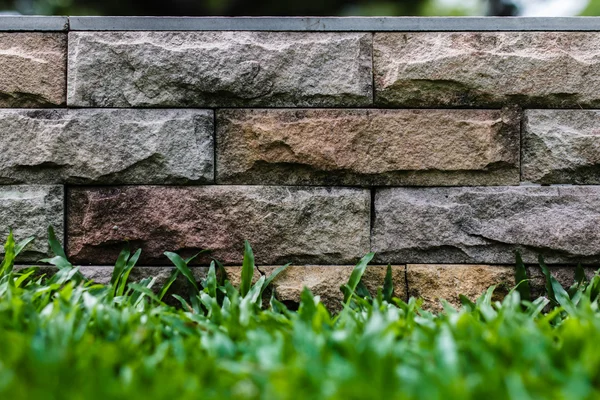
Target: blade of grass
388 285
54 243
182 266
521 278
273 276
356 275
168 283
247 269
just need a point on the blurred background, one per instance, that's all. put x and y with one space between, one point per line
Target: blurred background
303 7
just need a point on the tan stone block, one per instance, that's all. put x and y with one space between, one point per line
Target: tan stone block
33 66
433 282
368 147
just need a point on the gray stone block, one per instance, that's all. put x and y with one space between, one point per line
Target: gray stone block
487 224
485 69
219 69
561 146
106 146
29 210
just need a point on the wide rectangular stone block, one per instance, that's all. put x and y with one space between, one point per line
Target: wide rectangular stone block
483 69
33 66
29 211
283 224
561 146
106 146
368 147
219 69
434 283
486 225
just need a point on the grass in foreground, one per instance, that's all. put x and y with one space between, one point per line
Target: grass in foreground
63 337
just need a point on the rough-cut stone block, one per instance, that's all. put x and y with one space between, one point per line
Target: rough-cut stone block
29 210
561 146
486 225
368 147
432 283
223 69
106 146
33 69
546 69
284 224
324 281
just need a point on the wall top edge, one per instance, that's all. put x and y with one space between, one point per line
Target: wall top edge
347 24
301 24
12 23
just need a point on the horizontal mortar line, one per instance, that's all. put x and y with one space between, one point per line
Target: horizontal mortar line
299 108
335 24
263 107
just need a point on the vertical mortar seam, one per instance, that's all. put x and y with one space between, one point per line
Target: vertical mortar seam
371 216
64 185
214 143
373 69
521 124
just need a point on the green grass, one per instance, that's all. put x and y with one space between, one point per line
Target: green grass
62 337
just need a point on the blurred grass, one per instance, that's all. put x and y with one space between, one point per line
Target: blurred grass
64 337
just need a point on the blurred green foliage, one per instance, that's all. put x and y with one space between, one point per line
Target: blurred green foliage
67 338
593 8
241 7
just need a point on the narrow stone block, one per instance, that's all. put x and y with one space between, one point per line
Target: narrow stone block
485 69
283 224
561 146
219 69
368 147
29 211
33 66
487 225
106 146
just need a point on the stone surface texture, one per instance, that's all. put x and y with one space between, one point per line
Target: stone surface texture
479 69
323 281
486 225
222 69
561 146
432 283
33 66
283 224
368 147
106 146
29 210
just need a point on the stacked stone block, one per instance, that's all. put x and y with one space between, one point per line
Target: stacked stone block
443 152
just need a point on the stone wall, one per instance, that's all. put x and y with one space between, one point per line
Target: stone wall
443 148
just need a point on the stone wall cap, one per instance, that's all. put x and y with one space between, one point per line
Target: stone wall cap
22 23
334 24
